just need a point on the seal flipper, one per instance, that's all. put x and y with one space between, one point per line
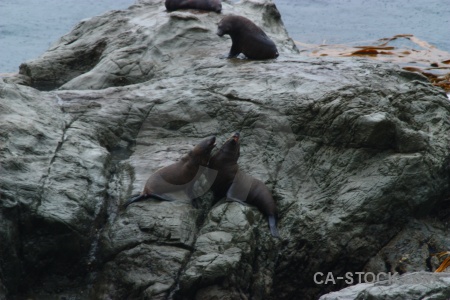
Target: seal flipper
234 51
142 197
273 226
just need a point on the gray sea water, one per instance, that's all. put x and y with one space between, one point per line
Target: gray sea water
29 27
355 21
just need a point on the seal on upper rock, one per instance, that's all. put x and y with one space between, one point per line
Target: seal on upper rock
237 186
177 176
247 38
208 5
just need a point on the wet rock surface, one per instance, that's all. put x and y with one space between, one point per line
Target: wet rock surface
353 151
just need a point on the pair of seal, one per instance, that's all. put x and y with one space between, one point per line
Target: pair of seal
247 38
177 176
238 186
208 5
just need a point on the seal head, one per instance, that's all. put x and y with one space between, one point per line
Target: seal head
202 151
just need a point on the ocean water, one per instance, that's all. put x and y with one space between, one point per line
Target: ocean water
29 27
356 21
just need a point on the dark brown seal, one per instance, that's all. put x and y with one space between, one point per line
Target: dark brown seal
208 5
247 38
177 176
224 161
237 186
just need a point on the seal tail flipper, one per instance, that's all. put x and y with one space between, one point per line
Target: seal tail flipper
273 227
135 198
141 197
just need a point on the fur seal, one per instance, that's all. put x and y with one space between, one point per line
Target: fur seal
237 186
224 161
208 5
247 38
177 176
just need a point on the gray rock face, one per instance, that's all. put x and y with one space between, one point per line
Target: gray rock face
353 151
410 250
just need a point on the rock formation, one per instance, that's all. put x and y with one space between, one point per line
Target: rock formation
356 154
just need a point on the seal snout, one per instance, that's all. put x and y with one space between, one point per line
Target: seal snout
218 7
212 142
236 137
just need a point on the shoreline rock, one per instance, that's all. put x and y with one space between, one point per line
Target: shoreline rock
353 152
408 286
129 47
